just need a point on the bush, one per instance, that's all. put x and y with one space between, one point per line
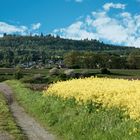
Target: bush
69 73
18 74
54 79
54 71
87 73
3 78
63 76
105 71
36 79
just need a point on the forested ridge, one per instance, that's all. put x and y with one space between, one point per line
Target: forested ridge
51 42
43 50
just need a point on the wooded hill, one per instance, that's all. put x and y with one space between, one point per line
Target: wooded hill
52 43
43 50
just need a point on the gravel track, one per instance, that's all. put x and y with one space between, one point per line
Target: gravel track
32 129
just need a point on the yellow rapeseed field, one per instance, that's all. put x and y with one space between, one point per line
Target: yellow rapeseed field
124 94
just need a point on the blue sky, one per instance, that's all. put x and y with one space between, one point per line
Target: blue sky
111 21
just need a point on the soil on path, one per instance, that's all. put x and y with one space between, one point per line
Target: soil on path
5 136
30 127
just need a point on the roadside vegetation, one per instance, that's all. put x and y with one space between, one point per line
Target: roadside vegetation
7 122
71 120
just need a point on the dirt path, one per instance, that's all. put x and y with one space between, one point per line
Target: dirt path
5 136
31 128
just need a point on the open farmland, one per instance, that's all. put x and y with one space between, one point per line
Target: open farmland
90 110
117 93
70 70
29 74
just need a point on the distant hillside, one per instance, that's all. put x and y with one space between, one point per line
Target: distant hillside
29 51
50 42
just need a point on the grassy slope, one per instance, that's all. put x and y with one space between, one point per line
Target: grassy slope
7 123
76 122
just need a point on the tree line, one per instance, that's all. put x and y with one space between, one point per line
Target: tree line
91 60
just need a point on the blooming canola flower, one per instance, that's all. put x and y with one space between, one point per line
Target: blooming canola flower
124 94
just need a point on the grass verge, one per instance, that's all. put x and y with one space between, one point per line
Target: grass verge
76 122
7 122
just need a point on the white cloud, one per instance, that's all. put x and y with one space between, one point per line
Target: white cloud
76 31
36 26
13 29
107 6
7 28
121 29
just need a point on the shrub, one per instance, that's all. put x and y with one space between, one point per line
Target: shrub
18 74
69 73
54 71
2 78
36 79
63 76
86 73
105 71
